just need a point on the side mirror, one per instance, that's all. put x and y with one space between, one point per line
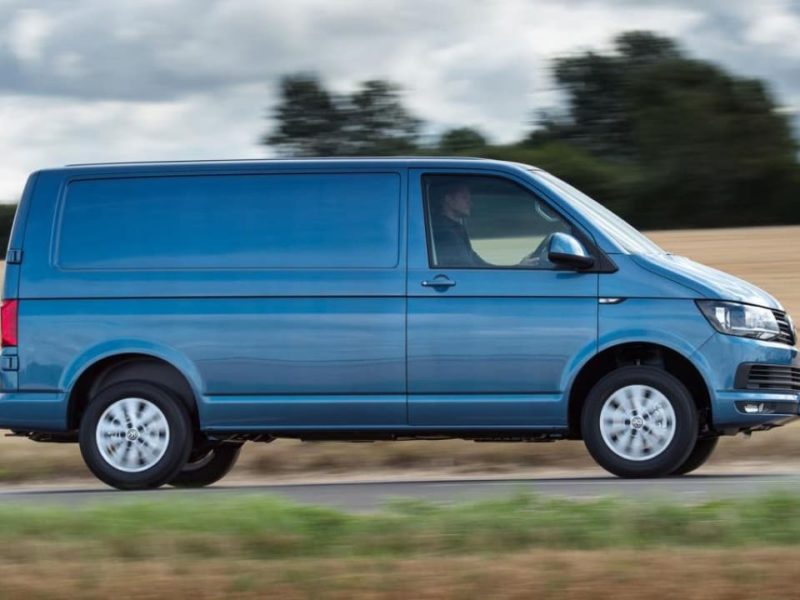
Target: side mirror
564 249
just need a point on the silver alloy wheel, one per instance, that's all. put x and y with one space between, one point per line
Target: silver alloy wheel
132 435
637 422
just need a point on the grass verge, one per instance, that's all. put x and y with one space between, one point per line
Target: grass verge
520 547
265 527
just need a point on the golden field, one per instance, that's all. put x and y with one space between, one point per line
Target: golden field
766 256
607 574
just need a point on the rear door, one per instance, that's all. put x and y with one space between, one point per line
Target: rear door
489 339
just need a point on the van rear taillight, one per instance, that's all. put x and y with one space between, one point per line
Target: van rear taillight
8 322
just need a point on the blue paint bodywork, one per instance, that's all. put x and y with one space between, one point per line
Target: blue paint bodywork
325 324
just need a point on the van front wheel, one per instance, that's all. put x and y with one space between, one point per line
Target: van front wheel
135 435
639 421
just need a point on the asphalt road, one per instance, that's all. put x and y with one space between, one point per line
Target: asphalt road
368 496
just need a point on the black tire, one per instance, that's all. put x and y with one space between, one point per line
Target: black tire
701 453
208 467
175 448
674 453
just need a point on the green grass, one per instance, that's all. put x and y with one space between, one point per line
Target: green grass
265 527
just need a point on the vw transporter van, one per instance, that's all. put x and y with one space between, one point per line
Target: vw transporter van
162 314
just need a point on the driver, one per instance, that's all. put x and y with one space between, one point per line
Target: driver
450 238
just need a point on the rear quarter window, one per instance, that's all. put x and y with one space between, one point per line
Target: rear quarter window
231 221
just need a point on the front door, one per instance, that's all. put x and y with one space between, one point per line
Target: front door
493 326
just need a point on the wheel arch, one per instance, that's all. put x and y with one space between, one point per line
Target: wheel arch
131 365
632 353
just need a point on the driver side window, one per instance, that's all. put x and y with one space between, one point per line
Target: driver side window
487 222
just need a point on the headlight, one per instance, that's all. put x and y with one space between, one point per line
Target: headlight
734 318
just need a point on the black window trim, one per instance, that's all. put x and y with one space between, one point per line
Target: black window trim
602 262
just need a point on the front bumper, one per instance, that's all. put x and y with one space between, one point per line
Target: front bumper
732 410
766 394
727 363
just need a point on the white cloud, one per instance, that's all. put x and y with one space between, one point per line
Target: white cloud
27 33
49 132
777 27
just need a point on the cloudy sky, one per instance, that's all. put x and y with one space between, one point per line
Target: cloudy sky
100 80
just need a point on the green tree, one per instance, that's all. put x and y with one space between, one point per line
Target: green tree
600 114
709 147
311 121
377 123
461 140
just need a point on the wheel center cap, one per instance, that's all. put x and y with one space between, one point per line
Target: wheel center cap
637 422
132 435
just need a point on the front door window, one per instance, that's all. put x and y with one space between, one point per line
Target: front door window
487 222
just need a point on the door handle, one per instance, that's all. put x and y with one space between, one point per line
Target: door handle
440 281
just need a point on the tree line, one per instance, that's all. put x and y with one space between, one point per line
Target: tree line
664 139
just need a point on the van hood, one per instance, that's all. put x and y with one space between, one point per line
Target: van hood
709 283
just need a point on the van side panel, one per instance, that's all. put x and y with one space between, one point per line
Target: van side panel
315 337
261 360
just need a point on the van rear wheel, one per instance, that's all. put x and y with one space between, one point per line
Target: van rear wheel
135 435
639 421
701 453
207 467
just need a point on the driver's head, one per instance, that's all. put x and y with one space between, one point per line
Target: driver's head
456 201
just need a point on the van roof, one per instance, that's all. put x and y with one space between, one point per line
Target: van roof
356 162
382 159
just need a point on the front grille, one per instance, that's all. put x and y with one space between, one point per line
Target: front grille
756 376
786 336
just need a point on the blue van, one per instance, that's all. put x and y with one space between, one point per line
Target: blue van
162 314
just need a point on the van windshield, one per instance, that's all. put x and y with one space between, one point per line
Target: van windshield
613 226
